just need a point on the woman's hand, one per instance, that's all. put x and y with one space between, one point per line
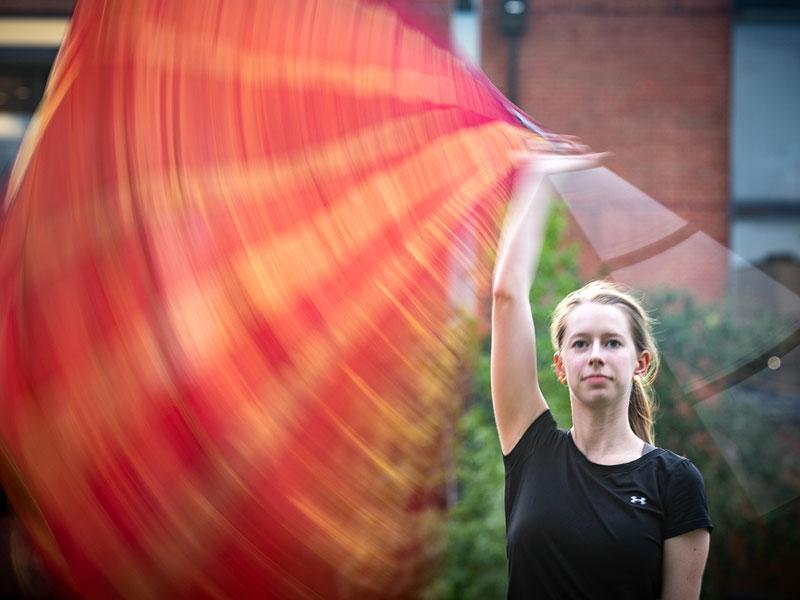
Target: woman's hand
561 163
545 163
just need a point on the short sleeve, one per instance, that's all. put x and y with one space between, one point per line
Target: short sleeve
686 506
539 432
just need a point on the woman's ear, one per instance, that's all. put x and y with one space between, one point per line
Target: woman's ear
560 371
642 363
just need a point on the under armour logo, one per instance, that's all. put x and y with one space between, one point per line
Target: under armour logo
638 500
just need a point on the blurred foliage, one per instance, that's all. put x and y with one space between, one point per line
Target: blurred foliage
750 553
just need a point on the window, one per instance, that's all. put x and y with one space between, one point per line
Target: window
765 138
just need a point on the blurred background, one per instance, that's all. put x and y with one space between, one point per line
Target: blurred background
698 102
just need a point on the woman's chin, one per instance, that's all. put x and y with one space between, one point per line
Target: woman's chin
597 397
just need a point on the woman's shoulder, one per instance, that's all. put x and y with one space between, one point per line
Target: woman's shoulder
672 462
675 471
542 434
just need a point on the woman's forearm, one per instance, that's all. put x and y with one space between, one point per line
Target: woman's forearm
522 237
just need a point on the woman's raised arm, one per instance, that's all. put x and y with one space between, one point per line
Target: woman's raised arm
516 396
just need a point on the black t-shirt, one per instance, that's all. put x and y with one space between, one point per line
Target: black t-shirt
577 529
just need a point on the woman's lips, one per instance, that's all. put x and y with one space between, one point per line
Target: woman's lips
593 378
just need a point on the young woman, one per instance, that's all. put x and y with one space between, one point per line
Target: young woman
597 511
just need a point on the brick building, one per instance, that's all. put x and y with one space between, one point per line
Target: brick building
644 80
691 98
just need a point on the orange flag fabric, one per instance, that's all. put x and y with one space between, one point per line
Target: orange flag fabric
239 255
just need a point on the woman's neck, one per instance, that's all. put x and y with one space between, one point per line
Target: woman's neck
604 435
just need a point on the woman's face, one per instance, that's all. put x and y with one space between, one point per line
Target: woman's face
598 358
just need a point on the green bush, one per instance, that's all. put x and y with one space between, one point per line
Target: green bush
750 552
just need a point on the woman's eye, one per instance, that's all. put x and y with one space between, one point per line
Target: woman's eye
613 343
579 344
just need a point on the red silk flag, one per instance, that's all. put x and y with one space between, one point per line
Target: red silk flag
232 257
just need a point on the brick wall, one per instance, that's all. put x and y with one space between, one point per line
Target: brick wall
645 79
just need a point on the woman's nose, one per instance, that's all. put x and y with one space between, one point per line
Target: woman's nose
596 353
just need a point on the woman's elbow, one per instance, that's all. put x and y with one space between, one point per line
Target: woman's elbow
505 293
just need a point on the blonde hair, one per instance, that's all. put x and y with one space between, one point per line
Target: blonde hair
641 408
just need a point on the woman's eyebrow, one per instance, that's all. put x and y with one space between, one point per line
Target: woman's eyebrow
579 334
606 334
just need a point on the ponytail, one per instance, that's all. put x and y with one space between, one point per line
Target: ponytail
640 411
